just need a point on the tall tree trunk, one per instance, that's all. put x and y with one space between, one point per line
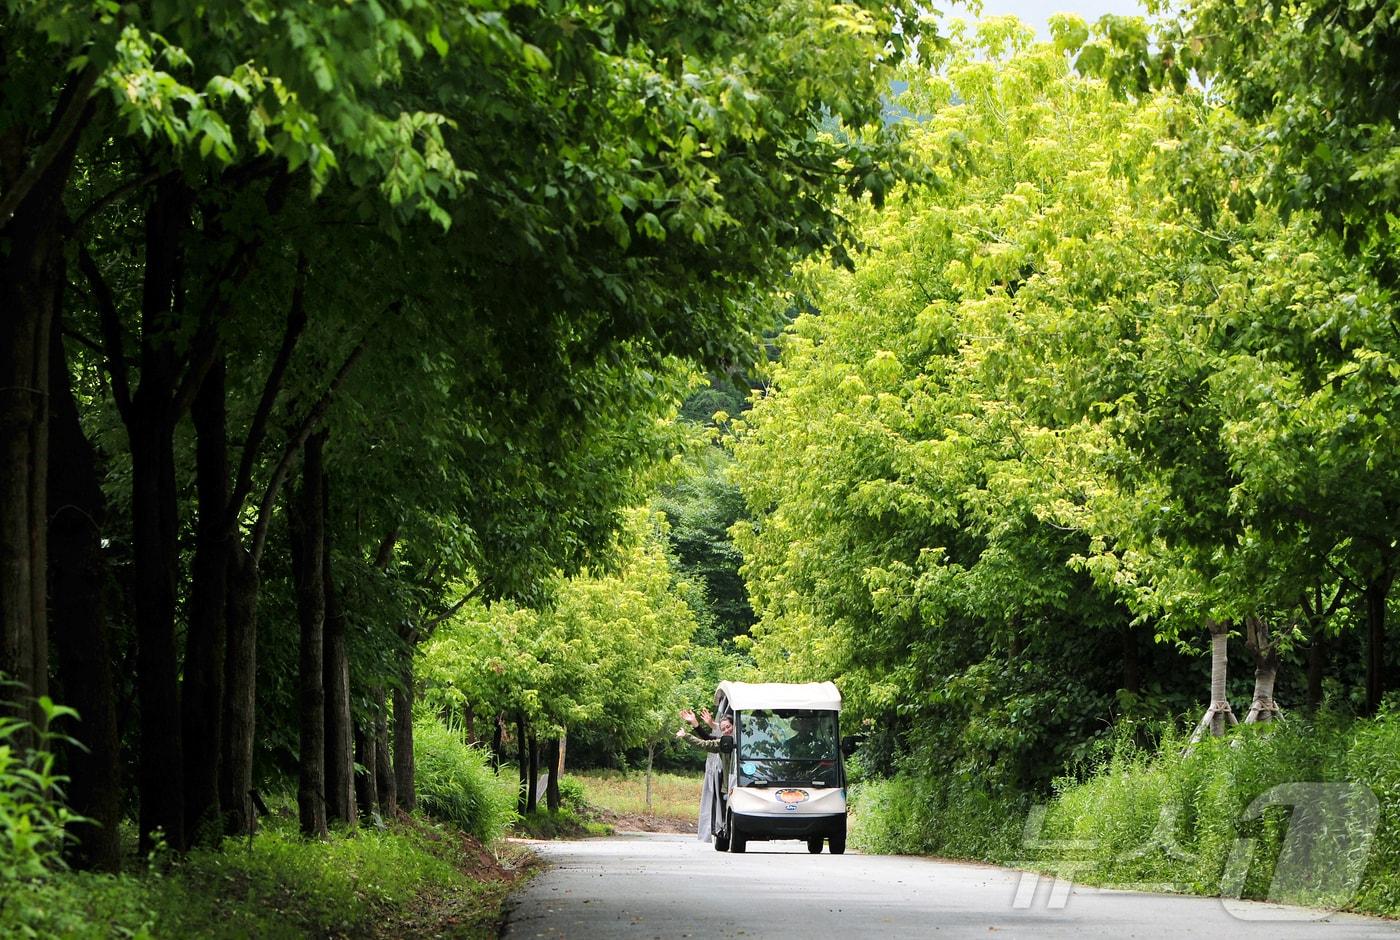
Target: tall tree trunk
308 542
240 692
81 636
1266 662
33 173
522 797
651 757
1218 716
155 523
27 294
384 766
340 755
551 787
403 732
1377 597
202 695
366 783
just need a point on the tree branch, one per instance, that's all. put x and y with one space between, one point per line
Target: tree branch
298 439
433 622
73 105
111 333
272 387
204 348
82 340
386 549
113 196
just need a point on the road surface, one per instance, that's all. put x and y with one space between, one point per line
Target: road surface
651 885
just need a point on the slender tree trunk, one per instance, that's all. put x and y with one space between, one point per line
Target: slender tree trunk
469 721
1219 715
384 767
366 784
202 695
551 788
498 751
1317 668
340 755
240 692
155 523
1132 663
77 575
403 733
532 800
308 541
1377 597
651 756
1266 662
522 798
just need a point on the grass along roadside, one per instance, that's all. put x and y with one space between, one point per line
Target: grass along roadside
413 878
621 799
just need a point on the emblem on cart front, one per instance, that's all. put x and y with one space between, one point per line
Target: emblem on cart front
792 797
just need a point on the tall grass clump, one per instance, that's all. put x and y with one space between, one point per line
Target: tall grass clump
1214 818
913 815
455 782
1373 759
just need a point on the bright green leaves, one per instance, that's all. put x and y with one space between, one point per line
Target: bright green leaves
602 661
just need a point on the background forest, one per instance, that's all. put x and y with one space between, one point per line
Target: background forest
394 392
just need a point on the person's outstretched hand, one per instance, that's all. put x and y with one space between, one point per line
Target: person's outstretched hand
688 716
706 717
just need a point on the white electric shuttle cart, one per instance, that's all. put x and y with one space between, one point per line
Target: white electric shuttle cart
784 776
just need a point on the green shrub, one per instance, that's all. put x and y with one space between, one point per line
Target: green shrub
906 814
572 796
32 815
455 782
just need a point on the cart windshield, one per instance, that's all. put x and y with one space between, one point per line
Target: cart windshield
788 746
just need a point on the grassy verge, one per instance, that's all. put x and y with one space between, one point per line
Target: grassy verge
673 796
1304 812
413 878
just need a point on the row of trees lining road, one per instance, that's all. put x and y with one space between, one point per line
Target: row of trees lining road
1100 391
351 316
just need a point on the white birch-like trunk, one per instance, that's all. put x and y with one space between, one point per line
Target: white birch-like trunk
1219 715
1260 641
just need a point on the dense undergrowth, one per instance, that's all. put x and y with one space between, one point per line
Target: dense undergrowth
416 874
1281 812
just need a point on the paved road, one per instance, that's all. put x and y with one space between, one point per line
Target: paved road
649 885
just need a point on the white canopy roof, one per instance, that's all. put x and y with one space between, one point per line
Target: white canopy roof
746 696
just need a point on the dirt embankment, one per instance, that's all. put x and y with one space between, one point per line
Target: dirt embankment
640 822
